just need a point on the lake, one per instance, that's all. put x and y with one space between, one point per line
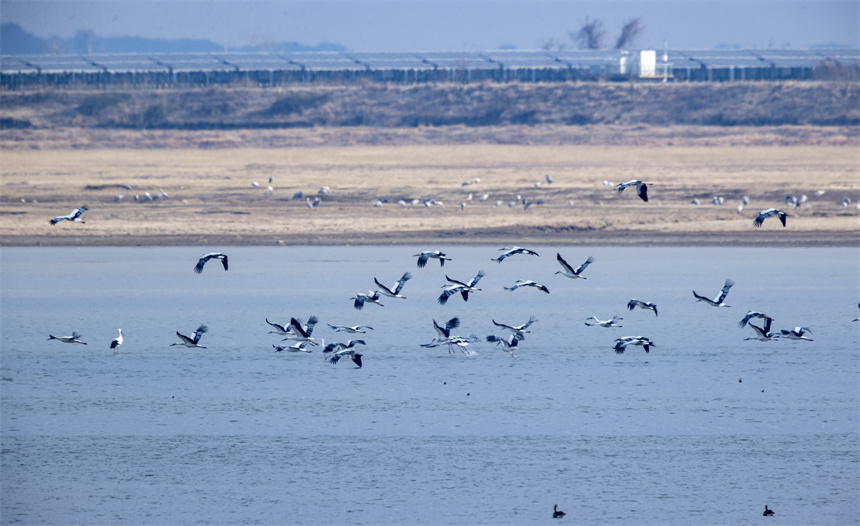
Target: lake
706 428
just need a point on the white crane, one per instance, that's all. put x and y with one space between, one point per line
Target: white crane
435 254
74 338
604 323
203 259
394 290
719 301
116 342
74 215
569 271
621 344
764 214
762 333
518 330
632 304
458 286
510 251
527 283
371 297
194 339
641 188
796 334
509 344
355 329
302 333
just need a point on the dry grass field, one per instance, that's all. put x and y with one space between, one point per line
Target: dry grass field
212 200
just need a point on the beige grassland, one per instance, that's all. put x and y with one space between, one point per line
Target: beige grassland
212 201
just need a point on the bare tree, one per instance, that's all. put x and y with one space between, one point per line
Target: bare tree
552 44
629 32
590 34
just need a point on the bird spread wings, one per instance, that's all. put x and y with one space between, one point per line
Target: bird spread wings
203 259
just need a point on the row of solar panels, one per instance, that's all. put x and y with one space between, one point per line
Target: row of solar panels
512 59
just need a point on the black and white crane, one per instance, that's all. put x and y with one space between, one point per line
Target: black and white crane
719 301
604 323
569 271
796 333
394 290
509 344
296 347
302 333
74 215
371 297
518 330
279 329
764 214
454 286
356 357
641 188
203 259
194 339
527 283
762 333
621 344
510 251
74 338
116 342
750 315
355 329
632 304
435 254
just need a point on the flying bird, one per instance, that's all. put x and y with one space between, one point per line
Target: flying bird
518 330
296 347
569 271
514 250
116 342
527 283
750 315
279 329
194 339
509 344
203 259
356 357
370 297
719 301
642 305
435 254
762 333
395 289
445 332
74 338
796 333
74 215
641 188
302 333
604 323
355 329
764 214
458 286
621 344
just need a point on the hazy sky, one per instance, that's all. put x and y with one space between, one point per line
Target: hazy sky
436 25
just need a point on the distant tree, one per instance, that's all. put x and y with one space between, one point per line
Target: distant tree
552 44
629 32
590 34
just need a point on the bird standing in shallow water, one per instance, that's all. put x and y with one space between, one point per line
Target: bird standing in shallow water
203 259
116 342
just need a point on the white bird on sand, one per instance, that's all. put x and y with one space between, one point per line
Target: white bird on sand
621 344
509 344
302 333
203 259
796 333
517 330
435 254
527 283
642 305
116 342
458 286
355 329
395 289
762 333
194 339
370 297
604 323
749 315
74 338
514 250
569 271
279 329
764 214
719 301
641 188
296 347
74 215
